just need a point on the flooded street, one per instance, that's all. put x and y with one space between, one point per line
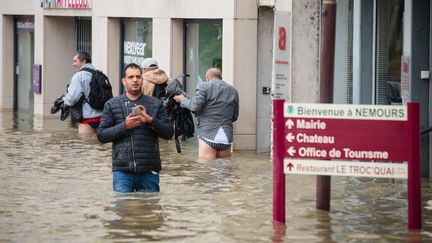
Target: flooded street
57 187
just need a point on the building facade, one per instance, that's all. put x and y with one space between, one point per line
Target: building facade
382 53
186 36
382 56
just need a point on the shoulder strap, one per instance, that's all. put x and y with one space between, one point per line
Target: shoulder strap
92 71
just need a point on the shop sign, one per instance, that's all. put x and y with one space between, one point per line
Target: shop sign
405 79
66 4
134 52
281 74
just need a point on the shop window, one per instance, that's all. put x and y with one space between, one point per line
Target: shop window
84 35
203 50
136 42
389 37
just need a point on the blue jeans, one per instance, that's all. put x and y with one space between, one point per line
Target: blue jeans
130 182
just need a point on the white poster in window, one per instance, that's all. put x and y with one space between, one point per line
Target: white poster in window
281 76
134 52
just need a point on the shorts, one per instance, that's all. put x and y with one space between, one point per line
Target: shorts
216 146
93 122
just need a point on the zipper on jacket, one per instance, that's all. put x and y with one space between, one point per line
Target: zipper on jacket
132 140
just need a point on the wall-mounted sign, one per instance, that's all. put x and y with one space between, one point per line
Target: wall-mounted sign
405 79
66 4
281 56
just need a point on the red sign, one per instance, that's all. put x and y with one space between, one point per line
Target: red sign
282 38
346 139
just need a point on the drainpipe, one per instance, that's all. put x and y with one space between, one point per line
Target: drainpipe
327 50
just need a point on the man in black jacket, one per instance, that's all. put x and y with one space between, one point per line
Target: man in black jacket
133 122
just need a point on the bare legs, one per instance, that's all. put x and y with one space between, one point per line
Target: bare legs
208 153
85 129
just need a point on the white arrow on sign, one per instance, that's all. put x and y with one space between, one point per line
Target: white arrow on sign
291 151
289 137
289 123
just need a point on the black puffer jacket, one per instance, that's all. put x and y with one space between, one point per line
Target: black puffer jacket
135 150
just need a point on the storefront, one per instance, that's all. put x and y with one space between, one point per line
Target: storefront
182 40
382 57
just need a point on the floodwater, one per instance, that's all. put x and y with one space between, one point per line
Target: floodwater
56 187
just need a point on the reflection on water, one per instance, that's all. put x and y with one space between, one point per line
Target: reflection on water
136 215
57 186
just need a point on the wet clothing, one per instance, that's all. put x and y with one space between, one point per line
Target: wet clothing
216 105
216 146
181 117
129 182
92 122
79 84
155 82
134 150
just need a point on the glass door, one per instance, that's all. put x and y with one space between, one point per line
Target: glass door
203 50
137 44
24 53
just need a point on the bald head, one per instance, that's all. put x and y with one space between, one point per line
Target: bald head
213 73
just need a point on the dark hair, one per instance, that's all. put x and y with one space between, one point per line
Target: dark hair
131 65
84 56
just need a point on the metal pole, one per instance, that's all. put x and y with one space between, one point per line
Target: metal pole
278 154
328 29
414 178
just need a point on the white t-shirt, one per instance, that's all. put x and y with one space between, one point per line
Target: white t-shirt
221 137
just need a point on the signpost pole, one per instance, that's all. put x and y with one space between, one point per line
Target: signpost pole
328 30
414 179
278 155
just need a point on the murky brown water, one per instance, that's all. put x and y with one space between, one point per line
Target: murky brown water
56 187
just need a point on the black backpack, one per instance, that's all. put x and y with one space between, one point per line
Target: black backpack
100 89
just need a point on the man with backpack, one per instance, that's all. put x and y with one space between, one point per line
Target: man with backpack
80 90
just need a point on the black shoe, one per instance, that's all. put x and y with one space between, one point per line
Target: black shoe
58 102
65 110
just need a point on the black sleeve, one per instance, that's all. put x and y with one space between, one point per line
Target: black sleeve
162 125
108 131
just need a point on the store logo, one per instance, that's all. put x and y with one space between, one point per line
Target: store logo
282 39
66 4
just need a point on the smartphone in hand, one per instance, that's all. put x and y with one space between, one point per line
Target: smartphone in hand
134 111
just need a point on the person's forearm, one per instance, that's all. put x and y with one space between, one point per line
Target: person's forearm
163 130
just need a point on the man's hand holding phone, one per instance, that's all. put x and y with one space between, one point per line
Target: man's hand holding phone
145 118
137 117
